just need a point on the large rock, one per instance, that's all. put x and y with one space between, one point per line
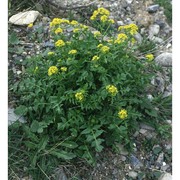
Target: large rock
24 18
165 176
164 59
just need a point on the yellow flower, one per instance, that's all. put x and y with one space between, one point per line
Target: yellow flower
58 30
111 21
96 34
73 22
121 38
30 25
103 18
55 21
92 17
52 70
59 43
95 58
84 27
100 45
132 28
79 96
63 69
110 41
104 49
50 53
72 51
103 11
76 30
65 21
112 90
95 13
122 114
149 57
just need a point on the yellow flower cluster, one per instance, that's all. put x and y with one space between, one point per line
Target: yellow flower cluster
73 51
103 15
58 21
131 28
59 43
50 53
112 90
58 30
73 22
63 69
30 25
99 45
104 18
95 58
120 38
122 114
149 57
52 70
75 30
104 49
111 21
79 96
97 34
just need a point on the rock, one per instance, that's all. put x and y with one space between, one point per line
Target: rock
129 1
123 158
157 149
147 127
150 97
12 117
24 18
122 150
48 44
165 167
120 23
143 131
60 174
19 72
135 162
160 83
160 159
164 59
138 37
153 8
165 176
133 174
146 20
156 39
154 30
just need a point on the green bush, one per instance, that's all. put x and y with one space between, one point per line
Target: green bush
86 93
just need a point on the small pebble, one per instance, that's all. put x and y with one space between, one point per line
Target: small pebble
153 8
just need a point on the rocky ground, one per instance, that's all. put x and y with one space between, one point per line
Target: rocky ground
151 158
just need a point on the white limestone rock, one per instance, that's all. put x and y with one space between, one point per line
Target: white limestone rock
24 18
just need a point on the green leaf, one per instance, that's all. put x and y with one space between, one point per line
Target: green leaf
86 131
30 144
21 110
63 154
13 39
69 144
43 143
34 126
